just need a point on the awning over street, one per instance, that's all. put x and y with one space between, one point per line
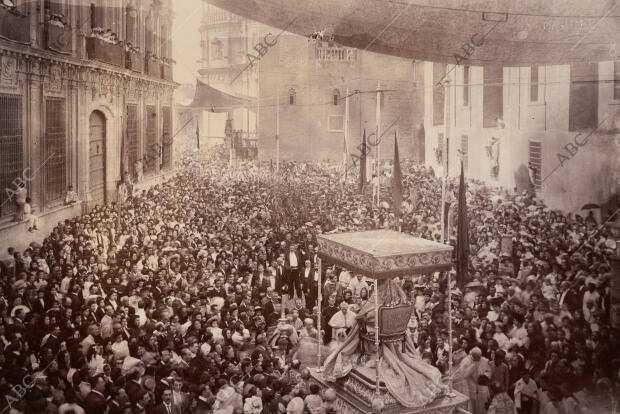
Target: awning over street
218 100
486 32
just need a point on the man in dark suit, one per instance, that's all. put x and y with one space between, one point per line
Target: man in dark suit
95 401
292 264
166 406
40 305
310 283
281 282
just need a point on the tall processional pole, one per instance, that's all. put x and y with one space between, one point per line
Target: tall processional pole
277 130
319 301
378 134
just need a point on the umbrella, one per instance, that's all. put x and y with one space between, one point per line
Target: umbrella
590 206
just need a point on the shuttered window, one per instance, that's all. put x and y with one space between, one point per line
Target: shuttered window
166 155
583 97
464 150
493 96
439 74
535 165
132 139
151 148
55 151
11 150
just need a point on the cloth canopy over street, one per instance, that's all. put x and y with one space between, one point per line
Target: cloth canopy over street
488 32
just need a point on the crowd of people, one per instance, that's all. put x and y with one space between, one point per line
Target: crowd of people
194 297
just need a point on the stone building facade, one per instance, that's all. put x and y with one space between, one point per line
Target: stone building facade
562 120
85 88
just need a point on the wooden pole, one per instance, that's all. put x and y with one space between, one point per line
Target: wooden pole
378 119
346 134
319 300
277 130
445 156
450 393
377 336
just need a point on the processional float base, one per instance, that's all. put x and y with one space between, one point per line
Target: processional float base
357 390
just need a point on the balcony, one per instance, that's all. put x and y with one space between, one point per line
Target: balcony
166 71
335 54
220 16
15 26
97 49
152 67
134 61
58 39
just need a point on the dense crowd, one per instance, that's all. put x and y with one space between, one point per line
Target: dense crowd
194 297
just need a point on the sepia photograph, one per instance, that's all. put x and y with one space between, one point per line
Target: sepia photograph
309 207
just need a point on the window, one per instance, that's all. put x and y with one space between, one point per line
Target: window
534 84
439 149
292 96
617 80
493 98
439 75
11 150
148 35
583 97
535 163
335 123
163 38
466 86
167 138
464 150
131 23
151 152
96 16
132 139
217 49
336 95
55 151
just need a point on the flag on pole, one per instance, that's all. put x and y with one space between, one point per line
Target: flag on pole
397 182
363 163
462 236
198 133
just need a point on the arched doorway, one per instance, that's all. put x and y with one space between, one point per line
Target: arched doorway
97 158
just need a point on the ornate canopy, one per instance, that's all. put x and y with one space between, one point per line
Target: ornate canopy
381 254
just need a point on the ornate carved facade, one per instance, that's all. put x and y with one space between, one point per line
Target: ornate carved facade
68 113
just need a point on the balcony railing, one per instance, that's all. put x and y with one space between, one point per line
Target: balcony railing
14 25
166 71
134 61
216 17
111 53
58 39
335 54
